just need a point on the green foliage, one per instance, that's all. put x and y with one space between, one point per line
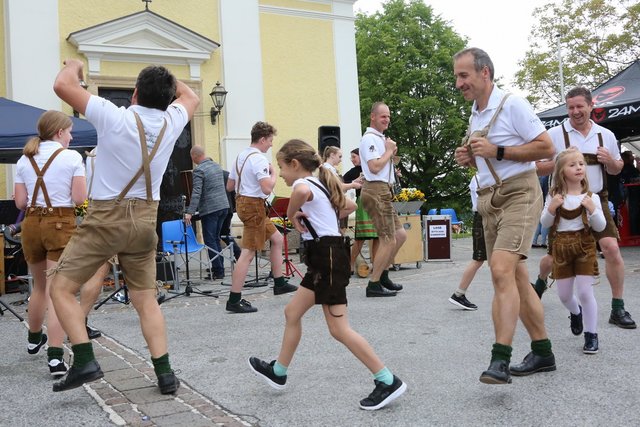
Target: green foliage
597 38
405 59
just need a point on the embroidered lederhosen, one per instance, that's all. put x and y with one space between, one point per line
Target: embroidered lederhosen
573 251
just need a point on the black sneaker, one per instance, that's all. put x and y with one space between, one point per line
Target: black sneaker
57 367
264 370
462 302
620 318
590 343
168 383
576 322
383 394
497 373
35 348
243 306
284 289
378 290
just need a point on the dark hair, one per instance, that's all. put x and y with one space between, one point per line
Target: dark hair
306 155
580 91
49 123
261 130
481 59
156 87
355 151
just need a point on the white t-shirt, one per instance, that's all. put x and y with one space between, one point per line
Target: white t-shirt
596 221
319 211
516 124
57 178
371 148
473 191
332 168
255 169
587 145
120 154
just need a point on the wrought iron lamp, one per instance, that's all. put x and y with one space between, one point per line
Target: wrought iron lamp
218 95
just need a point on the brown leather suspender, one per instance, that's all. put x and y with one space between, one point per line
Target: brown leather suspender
40 179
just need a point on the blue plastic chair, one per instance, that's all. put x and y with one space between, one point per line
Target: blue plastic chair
173 243
433 212
454 217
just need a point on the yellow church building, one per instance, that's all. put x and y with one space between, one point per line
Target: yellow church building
291 63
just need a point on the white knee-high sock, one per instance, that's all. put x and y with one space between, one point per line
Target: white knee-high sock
584 289
565 293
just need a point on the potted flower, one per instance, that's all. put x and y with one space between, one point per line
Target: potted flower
408 201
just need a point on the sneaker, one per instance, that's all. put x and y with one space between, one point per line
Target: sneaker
35 348
462 302
576 322
168 383
390 285
57 367
383 394
284 289
620 318
590 343
243 306
264 370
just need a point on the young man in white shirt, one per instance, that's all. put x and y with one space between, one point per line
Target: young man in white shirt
135 145
253 178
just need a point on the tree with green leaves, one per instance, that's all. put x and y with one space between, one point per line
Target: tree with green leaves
597 39
405 59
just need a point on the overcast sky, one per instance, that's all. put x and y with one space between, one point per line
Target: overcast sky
500 27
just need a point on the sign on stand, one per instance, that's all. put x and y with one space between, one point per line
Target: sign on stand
437 229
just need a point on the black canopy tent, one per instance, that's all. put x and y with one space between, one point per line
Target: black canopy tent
617 105
18 123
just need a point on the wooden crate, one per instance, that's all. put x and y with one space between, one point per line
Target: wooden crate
413 249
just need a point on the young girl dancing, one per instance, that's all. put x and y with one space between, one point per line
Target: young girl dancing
318 203
571 210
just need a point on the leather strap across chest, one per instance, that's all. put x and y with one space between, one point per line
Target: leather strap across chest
146 160
40 178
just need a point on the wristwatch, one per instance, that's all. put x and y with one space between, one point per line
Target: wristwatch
500 153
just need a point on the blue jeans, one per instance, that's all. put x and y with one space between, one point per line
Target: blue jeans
211 226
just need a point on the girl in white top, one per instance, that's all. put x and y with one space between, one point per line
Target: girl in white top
572 210
318 202
332 157
49 222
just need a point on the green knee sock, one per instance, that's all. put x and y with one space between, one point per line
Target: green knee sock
55 353
161 365
501 352
615 304
35 337
82 354
384 277
542 348
235 297
384 376
373 284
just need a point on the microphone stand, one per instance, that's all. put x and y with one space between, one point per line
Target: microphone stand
188 290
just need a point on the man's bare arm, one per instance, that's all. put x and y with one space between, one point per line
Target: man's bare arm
67 85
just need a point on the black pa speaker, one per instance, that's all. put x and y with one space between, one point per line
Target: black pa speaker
328 136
